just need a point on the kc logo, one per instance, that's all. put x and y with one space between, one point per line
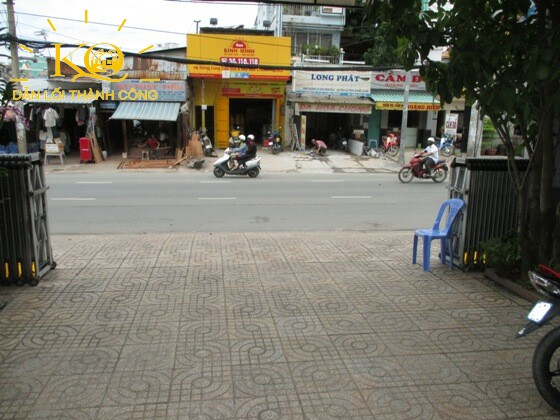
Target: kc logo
102 61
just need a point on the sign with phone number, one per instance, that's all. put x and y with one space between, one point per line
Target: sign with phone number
240 60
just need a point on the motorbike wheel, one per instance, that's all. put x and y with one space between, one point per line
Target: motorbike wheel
253 173
393 151
546 364
439 175
405 175
219 172
275 150
447 150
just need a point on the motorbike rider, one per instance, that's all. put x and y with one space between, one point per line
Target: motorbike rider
249 153
238 150
430 155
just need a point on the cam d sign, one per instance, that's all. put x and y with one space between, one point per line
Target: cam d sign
342 83
395 79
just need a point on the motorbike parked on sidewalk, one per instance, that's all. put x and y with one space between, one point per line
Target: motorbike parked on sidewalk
274 141
235 138
224 165
546 358
390 145
415 169
445 145
207 146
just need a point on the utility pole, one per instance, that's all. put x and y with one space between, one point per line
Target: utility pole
20 129
13 44
404 124
197 22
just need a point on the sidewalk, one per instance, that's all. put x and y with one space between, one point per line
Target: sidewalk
261 325
288 162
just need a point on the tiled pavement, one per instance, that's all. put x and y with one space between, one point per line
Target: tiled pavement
261 325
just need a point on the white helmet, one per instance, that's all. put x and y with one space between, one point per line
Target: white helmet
431 140
251 137
242 137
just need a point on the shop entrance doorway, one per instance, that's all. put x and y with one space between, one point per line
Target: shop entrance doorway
323 126
252 116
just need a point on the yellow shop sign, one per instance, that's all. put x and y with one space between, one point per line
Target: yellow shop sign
241 50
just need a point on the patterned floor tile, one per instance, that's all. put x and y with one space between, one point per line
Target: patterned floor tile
301 325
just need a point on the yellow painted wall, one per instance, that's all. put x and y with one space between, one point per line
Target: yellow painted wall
213 97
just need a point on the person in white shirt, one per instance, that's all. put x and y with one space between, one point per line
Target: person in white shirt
430 155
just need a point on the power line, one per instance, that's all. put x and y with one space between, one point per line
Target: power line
158 55
101 23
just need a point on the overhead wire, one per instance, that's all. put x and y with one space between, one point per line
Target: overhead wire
161 56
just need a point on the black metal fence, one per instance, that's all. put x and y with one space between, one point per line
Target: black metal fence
485 185
25 248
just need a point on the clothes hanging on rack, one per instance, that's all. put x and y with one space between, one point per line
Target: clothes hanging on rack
50 116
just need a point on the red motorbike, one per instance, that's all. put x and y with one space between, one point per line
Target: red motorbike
390 144
414 169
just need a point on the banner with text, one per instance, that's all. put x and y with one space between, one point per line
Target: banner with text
395 79
343 83
238 49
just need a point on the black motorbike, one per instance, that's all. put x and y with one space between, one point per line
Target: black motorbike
340 143
275 142
546 358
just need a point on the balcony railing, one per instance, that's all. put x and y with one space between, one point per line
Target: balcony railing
298 10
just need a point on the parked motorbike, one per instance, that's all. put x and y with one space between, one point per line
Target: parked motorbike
234 139
275 141
207 146
414 169
446 146
341 144
223 166
546 358
390 145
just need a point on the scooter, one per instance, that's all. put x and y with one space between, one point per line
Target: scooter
546 358
207 147
222 166
415 169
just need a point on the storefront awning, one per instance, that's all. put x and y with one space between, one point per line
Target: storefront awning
148 111
393 100
331 103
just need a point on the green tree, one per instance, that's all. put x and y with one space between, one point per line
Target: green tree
505 57
383 51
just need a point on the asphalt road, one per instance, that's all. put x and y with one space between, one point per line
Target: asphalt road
171 202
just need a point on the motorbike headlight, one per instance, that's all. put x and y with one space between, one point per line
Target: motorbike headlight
544 285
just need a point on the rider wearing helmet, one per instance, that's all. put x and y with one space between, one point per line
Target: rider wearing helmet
430 155
249 153
239 151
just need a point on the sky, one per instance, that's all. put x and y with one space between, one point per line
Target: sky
159 16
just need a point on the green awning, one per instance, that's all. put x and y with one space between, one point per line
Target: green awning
393 100
147 111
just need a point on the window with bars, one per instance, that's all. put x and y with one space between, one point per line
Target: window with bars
301 39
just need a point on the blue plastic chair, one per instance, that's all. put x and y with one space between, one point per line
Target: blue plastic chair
444 233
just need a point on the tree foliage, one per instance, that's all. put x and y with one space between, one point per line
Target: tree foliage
505 57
